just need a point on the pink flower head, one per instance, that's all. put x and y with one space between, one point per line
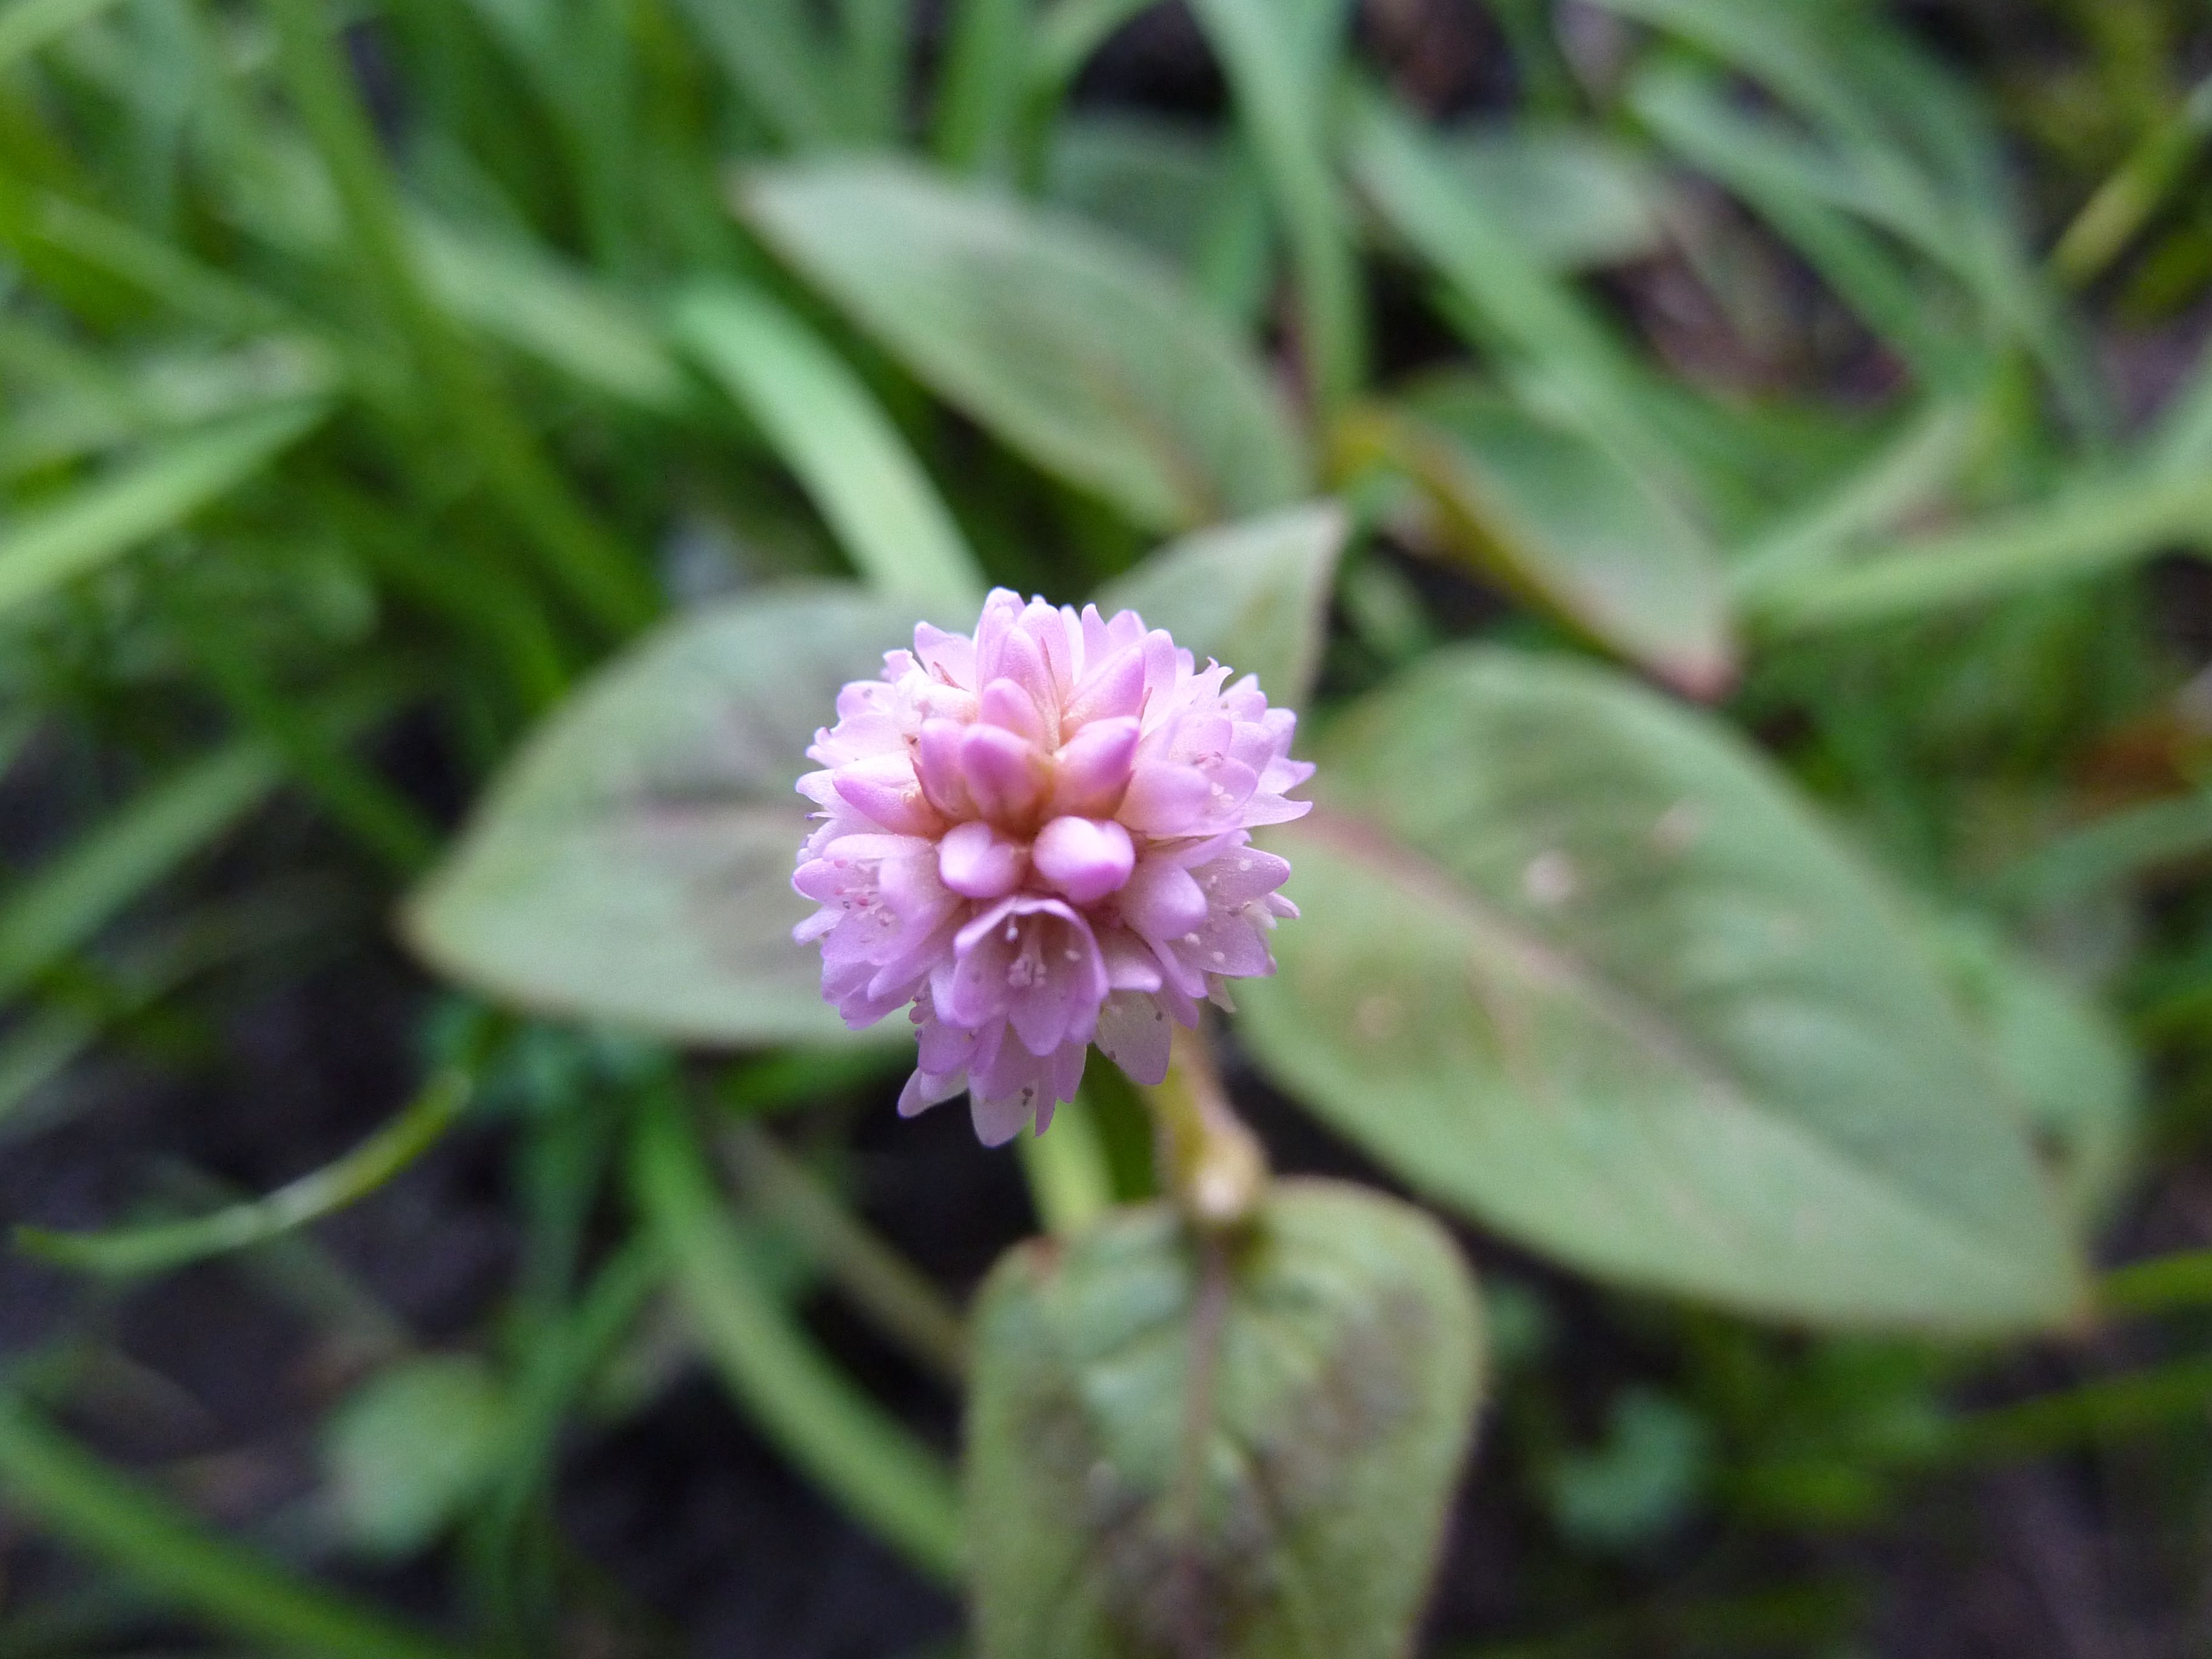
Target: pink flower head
1039 837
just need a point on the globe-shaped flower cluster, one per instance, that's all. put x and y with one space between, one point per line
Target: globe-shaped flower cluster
1039 837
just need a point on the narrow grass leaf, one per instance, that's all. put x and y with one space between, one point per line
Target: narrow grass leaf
1543 324
69 899
820 418
981 87
524 298
1286 99
767 50
134 1251
61 1489
98 522
868 1462
2091 529
28 25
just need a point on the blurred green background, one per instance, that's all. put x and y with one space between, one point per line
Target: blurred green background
369 372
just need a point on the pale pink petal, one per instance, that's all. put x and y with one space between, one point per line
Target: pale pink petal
1083 859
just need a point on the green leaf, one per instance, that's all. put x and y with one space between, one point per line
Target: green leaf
807 1405
1148 181
1539 507
1567 196
769 53
1253 595
1586 968
1285 104
69 899
525 299
1079 352
1765 164
1241 1450
633 863
2090 528
2067 1064
1553 340
1642 1481
98 522
1901 143
162 1247
57 1485
29 24
410 1448
844 448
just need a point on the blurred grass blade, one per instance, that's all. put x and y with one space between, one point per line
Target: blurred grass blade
845 1443
1285 97
823 421
1692 113
28 25
2109 1409
1904 474
69 899
2095 527
383 819
2180 1280
902 1302
59 1029
132 1251
60 1488
45 223
2181 441
2127 201
102 521
979 90
1904 145
527 300
766 49
605 583
1066 35
2117 848
876 46
1543 322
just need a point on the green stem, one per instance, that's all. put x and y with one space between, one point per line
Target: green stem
2183 1280
2110 1408
800 1400
1212 1164
135 1250
2125 203
61 1487
560 1362
580 554
875 1277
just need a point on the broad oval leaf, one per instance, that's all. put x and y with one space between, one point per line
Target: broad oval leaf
407 1450
633 864
1076 349
1254 594
1336 1355
1547 513
2068 1066
1586 969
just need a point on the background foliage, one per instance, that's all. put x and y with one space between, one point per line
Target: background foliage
1759 695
